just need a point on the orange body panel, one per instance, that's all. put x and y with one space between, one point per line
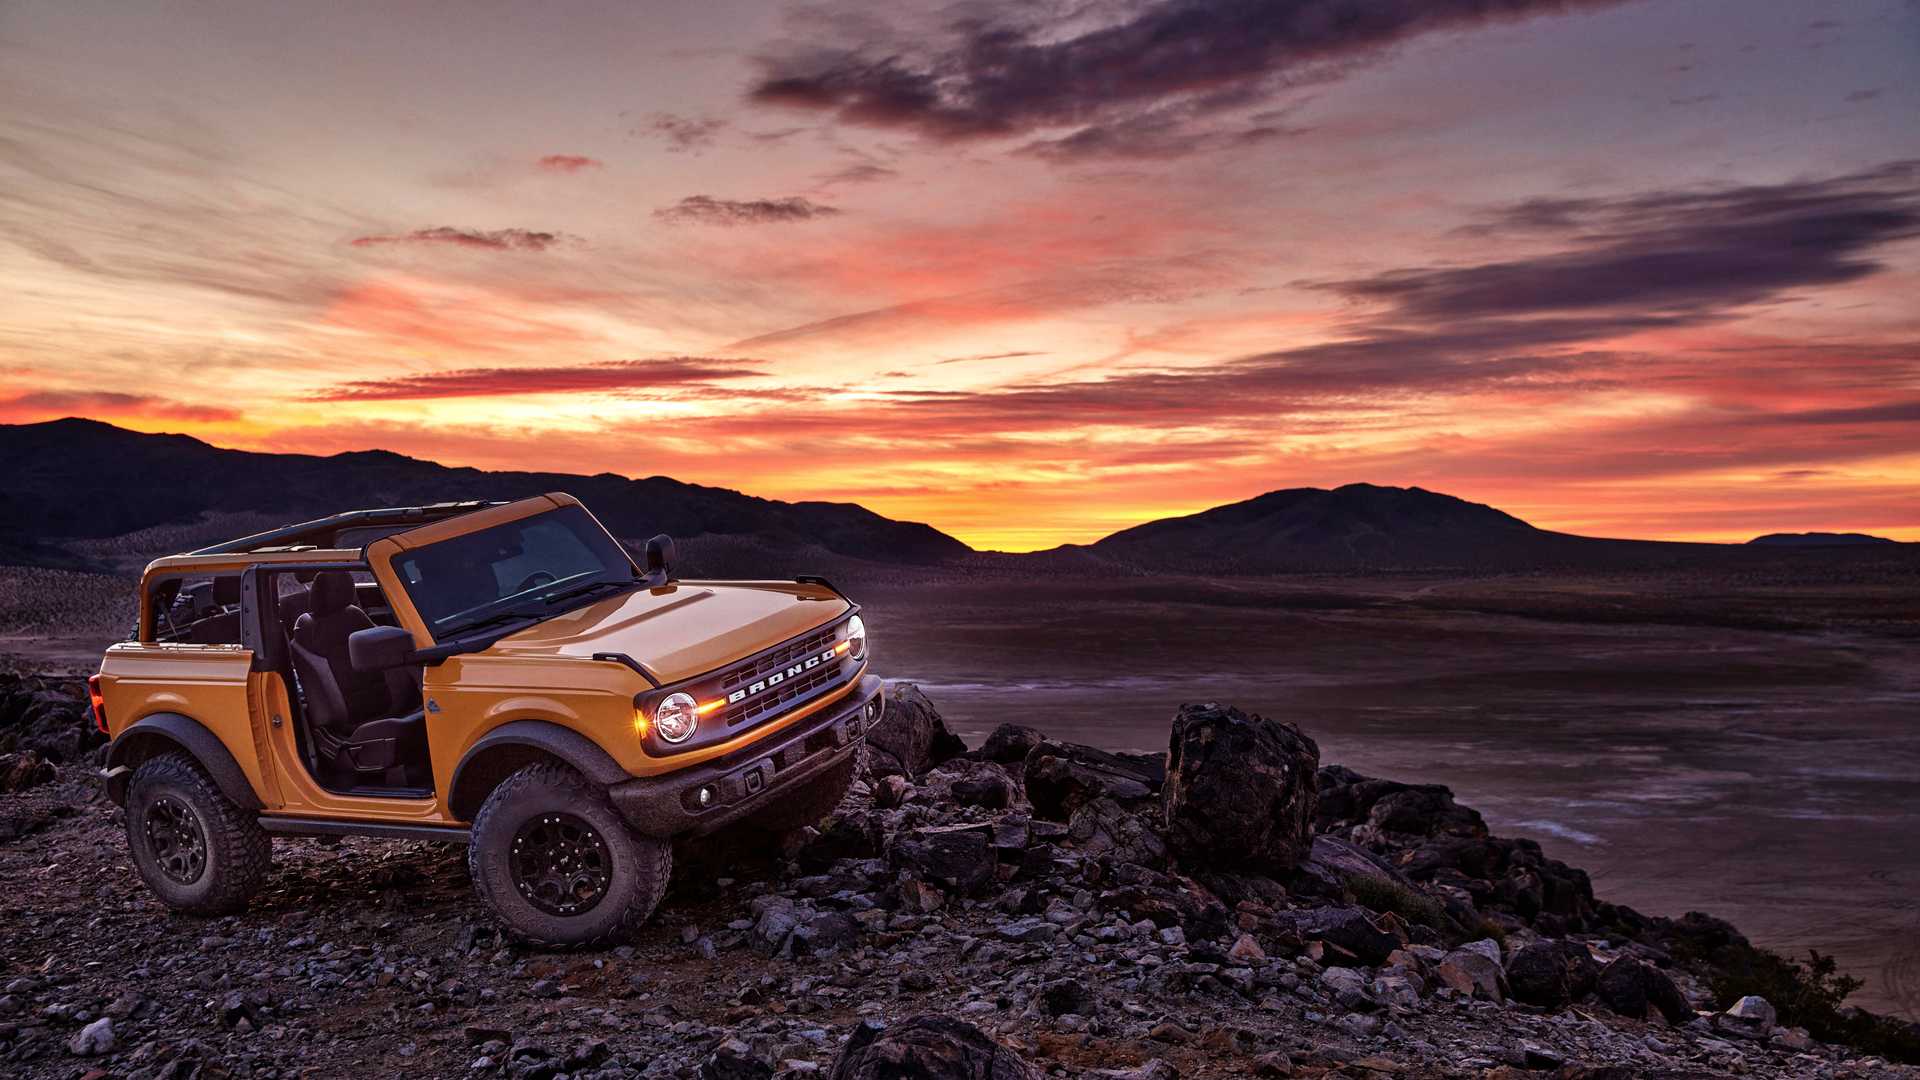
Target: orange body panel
546 672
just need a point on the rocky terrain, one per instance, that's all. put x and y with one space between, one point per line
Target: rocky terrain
1025 908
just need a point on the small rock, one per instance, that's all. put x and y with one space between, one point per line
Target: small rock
94 1039
734 1060
890 791
23 770
1063 996
1246 950
1752 1017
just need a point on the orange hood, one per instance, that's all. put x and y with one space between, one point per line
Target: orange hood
684 629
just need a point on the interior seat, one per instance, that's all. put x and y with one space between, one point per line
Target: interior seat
362 722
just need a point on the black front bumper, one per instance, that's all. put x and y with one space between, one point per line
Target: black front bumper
752 777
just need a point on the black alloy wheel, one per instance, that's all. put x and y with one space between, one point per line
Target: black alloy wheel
560 864
178 843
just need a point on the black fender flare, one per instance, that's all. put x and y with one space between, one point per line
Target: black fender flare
474 777
160 732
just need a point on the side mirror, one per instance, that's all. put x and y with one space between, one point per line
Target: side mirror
379 648
660 558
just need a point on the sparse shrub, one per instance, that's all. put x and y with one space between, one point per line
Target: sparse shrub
1383 894
1809 995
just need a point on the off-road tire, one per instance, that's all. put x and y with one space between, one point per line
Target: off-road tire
810 803
637 869
236 852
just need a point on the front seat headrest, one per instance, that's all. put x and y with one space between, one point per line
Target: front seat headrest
331 592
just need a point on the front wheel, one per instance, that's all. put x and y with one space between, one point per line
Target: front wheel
195 849
556 864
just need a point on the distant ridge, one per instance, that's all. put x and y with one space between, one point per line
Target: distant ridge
1371 528
70 488
76 479
1819 539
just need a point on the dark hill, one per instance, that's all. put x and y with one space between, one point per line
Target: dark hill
1364 527
1356 526
75 479
1819 539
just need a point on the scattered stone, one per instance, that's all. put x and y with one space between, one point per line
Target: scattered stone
23 770
1273 1064
93 1040
1354 930
1064 996
1752 1017
890 791
1468 971
734 1060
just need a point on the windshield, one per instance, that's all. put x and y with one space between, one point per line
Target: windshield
519 569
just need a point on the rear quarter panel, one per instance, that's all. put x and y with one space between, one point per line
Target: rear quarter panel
206 683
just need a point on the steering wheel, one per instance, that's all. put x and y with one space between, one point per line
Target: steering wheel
535 580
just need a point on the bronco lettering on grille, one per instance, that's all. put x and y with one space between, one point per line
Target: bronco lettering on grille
779 677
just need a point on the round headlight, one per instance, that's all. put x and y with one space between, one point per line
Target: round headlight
675 718
856 638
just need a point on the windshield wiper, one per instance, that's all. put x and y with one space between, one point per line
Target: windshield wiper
494 620
582 590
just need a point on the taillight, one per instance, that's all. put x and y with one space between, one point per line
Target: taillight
99 703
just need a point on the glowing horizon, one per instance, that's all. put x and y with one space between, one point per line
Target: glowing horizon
1626 269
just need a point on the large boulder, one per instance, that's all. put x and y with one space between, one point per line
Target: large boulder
1010 743
956 857
1062 777
1348 798
47 716
927 1048
1240 791
1332 865
1552 974
1630 987
969 782
910 737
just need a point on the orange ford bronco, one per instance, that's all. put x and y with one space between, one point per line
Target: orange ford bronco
498 674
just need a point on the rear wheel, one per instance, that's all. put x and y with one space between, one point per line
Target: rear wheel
195 849
555 862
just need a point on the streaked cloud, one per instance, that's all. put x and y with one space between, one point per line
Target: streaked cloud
708 210
1137 79
107 403
612 375
570 163
486 239
685 134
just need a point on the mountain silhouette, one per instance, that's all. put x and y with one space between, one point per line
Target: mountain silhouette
76 479
1819 539
70 482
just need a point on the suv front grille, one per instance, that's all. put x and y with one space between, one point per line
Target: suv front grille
793 687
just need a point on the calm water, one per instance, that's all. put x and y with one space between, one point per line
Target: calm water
1766 778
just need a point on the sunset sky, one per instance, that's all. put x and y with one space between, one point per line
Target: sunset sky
1029 272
